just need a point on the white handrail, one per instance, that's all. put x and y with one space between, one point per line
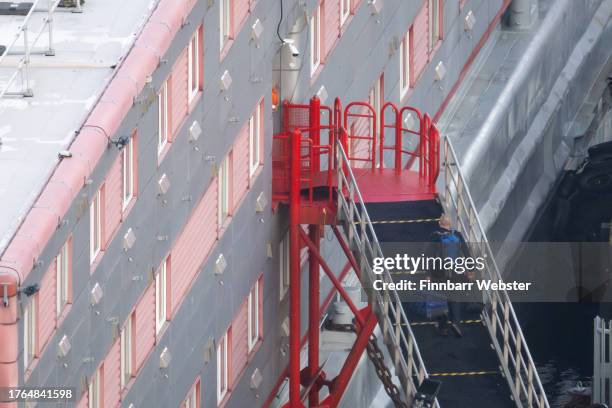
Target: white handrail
505 331
395 326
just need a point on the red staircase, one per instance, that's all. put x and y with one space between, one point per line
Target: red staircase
323 185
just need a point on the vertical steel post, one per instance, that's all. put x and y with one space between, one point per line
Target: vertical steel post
398 142
314 123
294 273
314 233
50 50
26 63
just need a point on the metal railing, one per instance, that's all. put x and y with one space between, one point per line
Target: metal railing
602 362
361 238
22 67
498 314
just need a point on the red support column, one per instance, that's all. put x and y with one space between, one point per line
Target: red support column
314 319
294 273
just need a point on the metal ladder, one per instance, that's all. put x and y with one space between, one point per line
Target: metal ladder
498 314
394 325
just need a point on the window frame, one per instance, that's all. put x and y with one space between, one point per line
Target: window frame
284 264
30 332
193 396
224 191
253 321
225 22
345 11
315 40
255 139
127 352
434 23
405 57
162 302
95 389
63 277
163 128
194 65
128 171
95 226
223 365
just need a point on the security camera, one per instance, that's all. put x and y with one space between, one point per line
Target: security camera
292 48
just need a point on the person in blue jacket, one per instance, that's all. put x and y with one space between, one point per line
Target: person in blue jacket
449 243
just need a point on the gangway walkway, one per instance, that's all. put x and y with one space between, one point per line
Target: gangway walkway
333 167
467 367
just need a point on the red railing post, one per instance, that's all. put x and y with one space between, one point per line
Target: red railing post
434 152
314 319
294 272
424 147
314 124
398 141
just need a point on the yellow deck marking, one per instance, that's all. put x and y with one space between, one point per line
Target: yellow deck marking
404 221
463 374
432 323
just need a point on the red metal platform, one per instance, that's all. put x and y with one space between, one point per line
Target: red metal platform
385 185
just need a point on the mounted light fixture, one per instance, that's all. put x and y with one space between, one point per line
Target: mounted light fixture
220 264
63 347
226 81
129 239
256 30
165 357
322 94
194 131
440 71
261 202
163 185
96 294
470 21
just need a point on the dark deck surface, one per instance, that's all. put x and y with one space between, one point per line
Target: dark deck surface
467 366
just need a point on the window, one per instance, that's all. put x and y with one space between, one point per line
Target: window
30 331
225 21
193 398
255 139
345 10
435 13
127 351
315 40
284 265
95 226
194 56
161 295
224 190
128 168
223 365
163 127
375 99
253 318
94 389
405 48
63 269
